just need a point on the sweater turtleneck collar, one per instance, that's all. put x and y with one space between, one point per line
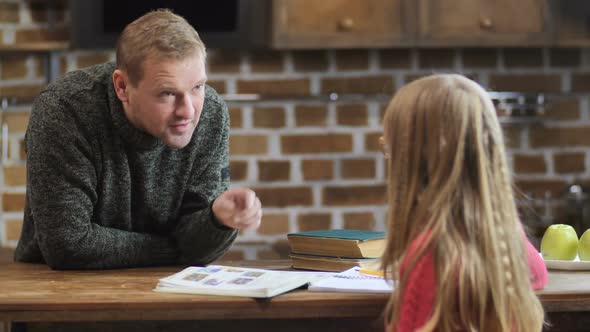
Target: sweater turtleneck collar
131 134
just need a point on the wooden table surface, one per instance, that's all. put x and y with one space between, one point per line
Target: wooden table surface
33 292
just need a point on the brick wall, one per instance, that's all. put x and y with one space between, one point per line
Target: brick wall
316 164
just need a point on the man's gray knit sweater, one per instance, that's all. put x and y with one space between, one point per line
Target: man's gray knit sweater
103 194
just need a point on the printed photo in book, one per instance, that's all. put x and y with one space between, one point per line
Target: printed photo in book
235 281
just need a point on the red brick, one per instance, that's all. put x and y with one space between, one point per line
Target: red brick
412 77
238 170
436 58
480 58
358 85
218 86
9 13
310 61
563 110
526 82
266 61
39 12
314 222
41 71
41 35
21 91
291 144
13 229
15 175
580 82
352 115
316 169
372 142
512 136
565 57
13 67
524 164
358 168
359 220
63 65
559 137
235 117
17 121
248 144
311 115
22 153
354 195
273 224
269 117
13 202
386 168
91 59
395 58
523 57
224 61
274 170
356 59
285 196
573 162
275 88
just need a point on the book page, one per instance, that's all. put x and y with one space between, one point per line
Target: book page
352 281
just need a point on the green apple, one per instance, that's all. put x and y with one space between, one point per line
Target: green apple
584 246
560 242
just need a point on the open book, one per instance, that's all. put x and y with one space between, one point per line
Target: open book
352 281
235 281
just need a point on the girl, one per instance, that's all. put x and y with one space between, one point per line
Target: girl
455 243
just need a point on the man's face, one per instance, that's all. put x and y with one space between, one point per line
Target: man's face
168 101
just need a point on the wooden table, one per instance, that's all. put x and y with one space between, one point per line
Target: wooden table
34 293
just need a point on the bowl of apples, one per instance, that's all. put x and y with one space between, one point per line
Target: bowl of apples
563 250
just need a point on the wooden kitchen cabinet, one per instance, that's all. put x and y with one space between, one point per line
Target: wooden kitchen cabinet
340 23
482 22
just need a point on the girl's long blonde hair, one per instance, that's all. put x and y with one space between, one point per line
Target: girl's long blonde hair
448 178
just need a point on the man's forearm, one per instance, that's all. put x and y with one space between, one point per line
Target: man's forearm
104 248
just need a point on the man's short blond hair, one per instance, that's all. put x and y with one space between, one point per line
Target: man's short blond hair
159 33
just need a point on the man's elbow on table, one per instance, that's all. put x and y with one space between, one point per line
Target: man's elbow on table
64 253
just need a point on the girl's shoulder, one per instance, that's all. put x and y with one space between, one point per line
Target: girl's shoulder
418 247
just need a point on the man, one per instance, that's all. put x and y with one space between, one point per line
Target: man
127 165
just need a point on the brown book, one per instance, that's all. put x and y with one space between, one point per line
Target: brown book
328 263
347 243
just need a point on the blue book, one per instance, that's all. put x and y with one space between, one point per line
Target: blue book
349 243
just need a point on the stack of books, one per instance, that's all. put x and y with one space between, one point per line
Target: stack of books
336 249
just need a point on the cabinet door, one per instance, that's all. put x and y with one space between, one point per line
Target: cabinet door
483 22
572 22
337 23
